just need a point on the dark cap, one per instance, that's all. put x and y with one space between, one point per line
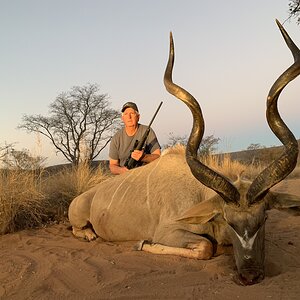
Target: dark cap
131 105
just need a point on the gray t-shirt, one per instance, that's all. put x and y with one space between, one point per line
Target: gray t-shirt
121 144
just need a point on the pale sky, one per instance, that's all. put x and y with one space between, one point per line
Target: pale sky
228 54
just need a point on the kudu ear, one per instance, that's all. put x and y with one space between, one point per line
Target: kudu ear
203 212
284 201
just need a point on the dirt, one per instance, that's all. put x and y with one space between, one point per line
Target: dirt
49 263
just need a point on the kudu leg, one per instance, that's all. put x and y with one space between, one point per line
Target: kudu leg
84 233
201 250
198 251
79 216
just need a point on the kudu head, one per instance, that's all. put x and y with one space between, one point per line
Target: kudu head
244 204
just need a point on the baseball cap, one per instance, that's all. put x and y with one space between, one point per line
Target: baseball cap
131 105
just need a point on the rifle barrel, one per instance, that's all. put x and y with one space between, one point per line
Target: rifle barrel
160 104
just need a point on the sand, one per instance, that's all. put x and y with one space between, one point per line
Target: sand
49 263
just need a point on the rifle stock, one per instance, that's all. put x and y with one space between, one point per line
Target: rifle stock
130 162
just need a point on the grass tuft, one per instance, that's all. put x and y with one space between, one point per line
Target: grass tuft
34 198
21 200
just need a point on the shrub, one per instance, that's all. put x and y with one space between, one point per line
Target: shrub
21 200
33 198
63 186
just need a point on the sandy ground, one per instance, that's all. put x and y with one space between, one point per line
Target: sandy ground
49 263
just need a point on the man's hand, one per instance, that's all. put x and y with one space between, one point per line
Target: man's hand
137 154
115 167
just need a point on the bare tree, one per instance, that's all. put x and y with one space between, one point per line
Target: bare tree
294 10
255 146
80 125
207 146
22 160
175 140
4 150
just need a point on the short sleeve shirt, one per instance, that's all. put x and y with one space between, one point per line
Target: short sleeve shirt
121 144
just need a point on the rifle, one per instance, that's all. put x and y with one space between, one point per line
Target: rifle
138 145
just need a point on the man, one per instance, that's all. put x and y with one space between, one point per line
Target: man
123 141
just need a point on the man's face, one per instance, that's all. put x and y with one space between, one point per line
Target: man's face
130 117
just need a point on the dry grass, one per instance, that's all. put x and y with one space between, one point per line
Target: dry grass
21 200
224 165
61 188
29 199
295 173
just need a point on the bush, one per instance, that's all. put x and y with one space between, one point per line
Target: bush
63 186
33 198
21 200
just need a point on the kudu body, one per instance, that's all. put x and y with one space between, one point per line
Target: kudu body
180 206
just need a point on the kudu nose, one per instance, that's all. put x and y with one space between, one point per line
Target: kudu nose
249 277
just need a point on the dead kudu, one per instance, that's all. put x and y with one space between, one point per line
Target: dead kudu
177 205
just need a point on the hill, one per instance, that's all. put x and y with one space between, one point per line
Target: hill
263 155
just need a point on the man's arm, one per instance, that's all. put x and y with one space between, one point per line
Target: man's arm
145 158
115 167
151 157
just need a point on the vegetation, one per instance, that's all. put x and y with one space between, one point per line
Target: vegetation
175 140
230 168
207 147
4 149
294 10
80 125
21 200
259 155
255 146
23 160
31 198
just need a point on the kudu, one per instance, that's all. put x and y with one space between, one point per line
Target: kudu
179 206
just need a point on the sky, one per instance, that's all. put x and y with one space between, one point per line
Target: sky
227 55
